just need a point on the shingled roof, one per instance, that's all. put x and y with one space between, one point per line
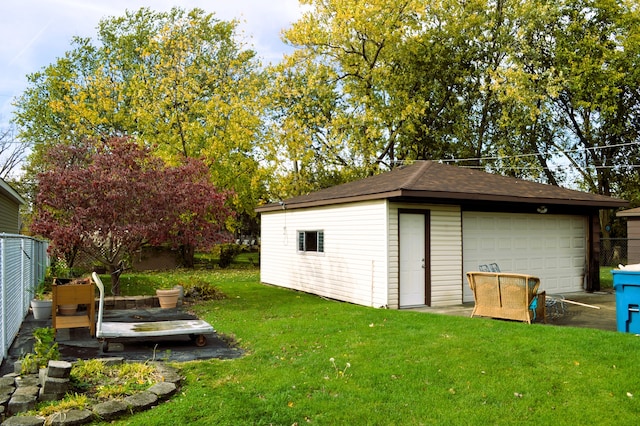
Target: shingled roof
436 182
629 213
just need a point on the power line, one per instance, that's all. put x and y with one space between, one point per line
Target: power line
559 167
507 157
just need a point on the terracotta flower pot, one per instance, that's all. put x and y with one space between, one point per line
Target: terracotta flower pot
67 309
168 298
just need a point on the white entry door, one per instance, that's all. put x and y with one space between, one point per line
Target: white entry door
413 260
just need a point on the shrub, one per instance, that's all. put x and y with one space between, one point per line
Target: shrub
227 253
44 350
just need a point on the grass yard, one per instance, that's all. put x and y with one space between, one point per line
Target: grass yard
316 361
606 277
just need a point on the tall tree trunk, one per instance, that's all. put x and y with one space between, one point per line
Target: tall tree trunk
188 255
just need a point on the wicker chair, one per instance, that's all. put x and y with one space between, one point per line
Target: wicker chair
507 295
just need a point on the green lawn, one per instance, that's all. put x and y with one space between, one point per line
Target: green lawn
316 361
606 278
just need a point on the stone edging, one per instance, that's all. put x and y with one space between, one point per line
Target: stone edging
106 411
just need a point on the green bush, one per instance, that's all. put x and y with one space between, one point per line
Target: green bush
44 350
227 253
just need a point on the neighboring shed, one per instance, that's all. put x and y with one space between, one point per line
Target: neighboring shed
10 202
633 234
407 237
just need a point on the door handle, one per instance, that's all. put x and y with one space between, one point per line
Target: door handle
423 264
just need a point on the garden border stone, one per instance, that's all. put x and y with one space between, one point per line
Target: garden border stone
109 410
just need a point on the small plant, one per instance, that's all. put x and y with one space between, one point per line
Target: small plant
59 268
339 373
103 381
42 291
111 391
45 349
227 253
201 290
69 402
85 373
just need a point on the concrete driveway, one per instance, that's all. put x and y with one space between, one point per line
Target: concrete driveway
590 310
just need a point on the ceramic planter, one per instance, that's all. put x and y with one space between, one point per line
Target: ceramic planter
41 309
168 298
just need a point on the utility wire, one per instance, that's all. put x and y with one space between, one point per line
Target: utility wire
507 157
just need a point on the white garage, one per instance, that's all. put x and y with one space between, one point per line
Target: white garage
552 247
407 237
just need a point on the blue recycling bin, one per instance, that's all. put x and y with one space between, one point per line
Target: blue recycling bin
627 287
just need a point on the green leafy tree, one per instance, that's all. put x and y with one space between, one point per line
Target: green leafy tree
399 80
178 81
513 87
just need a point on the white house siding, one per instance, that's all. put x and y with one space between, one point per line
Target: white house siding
353 267
552 247
446 253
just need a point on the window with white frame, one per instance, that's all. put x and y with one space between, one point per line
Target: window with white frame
311 241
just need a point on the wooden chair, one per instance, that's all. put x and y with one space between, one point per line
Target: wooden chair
74 294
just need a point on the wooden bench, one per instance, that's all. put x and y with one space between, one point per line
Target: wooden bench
74 294
507 295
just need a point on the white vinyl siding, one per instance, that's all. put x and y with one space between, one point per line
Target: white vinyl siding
353 266
552 247
445 250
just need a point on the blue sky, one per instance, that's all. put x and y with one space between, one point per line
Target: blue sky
34 33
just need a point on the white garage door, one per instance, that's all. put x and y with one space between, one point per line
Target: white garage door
551 247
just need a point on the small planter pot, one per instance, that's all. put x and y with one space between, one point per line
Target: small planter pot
41 309
168 298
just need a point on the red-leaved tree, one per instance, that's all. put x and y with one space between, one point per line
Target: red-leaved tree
108 200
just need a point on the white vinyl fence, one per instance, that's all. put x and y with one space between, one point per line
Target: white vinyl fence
23 263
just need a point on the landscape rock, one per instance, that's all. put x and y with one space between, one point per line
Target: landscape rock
109 361
141 401
28 380
27 390
23 421
110 410
21 403
55 385
71 418
168 374
47 397
7 390
59 369
163 390
7 381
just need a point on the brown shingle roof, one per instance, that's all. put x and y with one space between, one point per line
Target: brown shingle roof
445 183
629 213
